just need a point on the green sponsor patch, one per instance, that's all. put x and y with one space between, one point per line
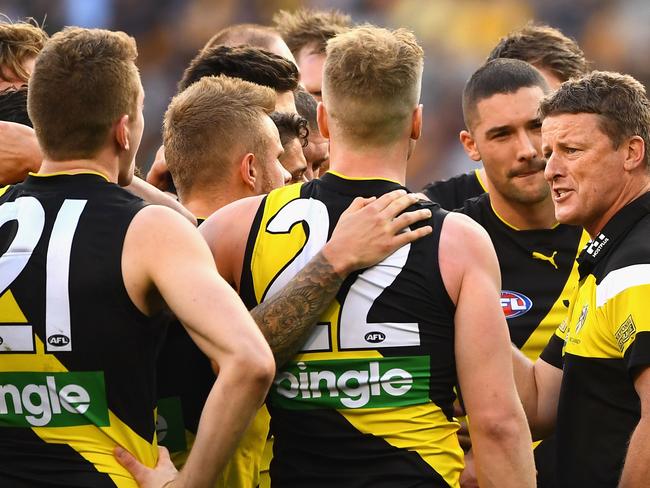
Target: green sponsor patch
353 383
169 424
52 399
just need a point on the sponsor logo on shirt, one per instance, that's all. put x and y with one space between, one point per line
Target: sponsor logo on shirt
353 383
595 246
625 332
44 399
515 304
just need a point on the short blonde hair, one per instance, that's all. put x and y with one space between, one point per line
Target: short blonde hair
306 27
83 82
209 124
371 82
19 41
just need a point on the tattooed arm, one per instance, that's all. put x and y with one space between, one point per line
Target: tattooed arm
366 233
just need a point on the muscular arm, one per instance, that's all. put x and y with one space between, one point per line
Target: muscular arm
215 318
19 152
538 385
366 233
636 471
500 436
151 194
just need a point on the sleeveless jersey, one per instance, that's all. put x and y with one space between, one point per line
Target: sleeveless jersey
538 276
368 399
451 194
607 338
77 358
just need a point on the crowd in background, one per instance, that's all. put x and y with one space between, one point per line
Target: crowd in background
456 36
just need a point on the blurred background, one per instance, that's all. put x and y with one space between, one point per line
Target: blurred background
456 36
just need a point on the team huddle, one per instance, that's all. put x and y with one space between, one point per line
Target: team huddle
324 326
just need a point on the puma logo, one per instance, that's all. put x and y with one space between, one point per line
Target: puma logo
550 259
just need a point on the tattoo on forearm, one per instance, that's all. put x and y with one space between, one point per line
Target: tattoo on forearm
287 319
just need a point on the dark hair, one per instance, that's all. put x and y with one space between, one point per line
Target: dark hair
500 76
306 105
254 35
619 100
13 106
544 47
243 62
291 126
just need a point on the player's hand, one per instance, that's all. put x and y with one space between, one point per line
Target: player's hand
163 475
19 152
468 477
370 230
158 174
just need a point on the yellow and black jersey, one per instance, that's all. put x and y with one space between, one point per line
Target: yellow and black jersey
539 273
368 399
451 194
77 357
607 342
182 393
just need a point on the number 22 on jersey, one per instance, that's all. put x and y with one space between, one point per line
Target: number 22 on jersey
354 330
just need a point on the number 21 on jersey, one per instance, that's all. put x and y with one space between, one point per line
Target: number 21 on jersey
30 217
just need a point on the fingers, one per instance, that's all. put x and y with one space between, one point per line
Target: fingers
387 198
398 205
163 456
410 236
130 463
358 203
410 218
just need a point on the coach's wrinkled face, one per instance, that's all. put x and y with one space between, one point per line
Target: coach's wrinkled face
586 172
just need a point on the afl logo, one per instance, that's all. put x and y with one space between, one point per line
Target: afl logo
58 340
375 337
515 304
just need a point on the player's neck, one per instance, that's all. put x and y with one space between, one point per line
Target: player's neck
387 162
526 216
205 203
79 166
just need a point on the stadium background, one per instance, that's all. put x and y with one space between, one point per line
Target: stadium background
456 36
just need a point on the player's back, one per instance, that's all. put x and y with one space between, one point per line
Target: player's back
77 356
368 400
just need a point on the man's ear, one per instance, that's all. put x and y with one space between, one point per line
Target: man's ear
416 123
248 170
635 152
469 144
122 133
321 118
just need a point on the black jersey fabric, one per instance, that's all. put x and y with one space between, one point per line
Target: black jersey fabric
538 276
607 342
451 194
77 358
368 400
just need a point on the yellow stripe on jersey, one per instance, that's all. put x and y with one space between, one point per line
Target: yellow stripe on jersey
558 312
407 426
284 247
90 441
3 190
362 178
59 173
10 312
477 172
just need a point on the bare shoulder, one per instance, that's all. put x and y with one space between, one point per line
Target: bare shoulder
154 222
226 232
465 247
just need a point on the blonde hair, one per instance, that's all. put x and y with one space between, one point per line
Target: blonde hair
19 41
83 82
306 27
209 124
371 82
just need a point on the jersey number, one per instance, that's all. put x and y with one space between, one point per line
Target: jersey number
30 215
354 330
